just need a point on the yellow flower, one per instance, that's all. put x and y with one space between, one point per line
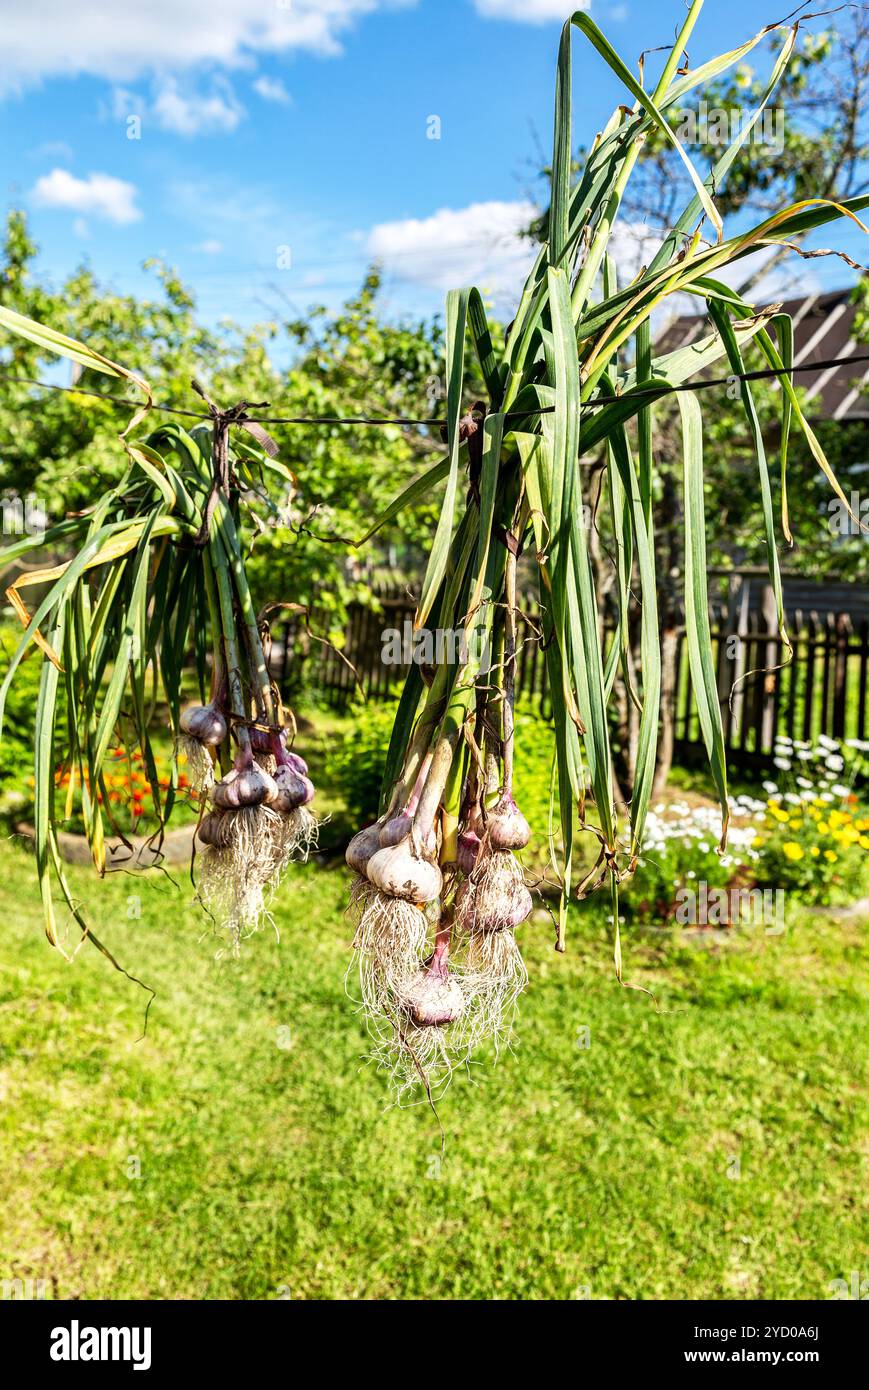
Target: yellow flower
823 827
864 842
814 851
791 850
795 824
779 814
831 855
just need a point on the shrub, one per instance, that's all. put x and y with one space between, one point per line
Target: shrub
815 832
358 762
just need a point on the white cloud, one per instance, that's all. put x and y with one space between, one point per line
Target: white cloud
271 89
209 248
631 246
482 244
99 195
122 42
529 11
485 245
179 107
192 113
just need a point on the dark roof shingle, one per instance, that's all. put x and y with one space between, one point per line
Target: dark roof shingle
822 331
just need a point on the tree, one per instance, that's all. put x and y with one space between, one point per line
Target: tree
60 448
813 143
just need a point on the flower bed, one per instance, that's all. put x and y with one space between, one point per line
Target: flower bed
808 834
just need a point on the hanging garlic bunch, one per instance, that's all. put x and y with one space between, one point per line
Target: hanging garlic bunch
296 830
438 890
258 822
492 900
408 993
258 817
236 866
397 877
201 730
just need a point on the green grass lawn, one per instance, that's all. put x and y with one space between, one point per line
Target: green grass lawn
708 1147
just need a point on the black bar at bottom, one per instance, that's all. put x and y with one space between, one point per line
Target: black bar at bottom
140 1339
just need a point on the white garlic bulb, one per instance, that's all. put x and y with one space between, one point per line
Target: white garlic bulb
399 871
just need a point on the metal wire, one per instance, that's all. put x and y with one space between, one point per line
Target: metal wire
650 393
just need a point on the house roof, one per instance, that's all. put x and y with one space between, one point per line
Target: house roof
822 331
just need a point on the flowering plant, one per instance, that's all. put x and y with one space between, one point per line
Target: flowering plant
128 795
815 832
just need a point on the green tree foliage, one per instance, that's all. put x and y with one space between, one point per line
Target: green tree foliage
64 450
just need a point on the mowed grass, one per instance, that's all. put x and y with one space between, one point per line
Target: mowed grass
706 1147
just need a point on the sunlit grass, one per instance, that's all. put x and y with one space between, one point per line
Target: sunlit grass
270 1165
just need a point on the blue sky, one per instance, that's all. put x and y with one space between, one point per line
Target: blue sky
283 143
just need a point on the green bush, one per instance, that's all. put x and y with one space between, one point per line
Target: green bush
357 766
816 823
358 763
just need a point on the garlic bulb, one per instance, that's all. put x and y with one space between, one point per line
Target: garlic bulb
506 826
521 905
205 723
430 996
213 830
395 829
261 740
291 790
432 1000
467 851
360 849
246 784
400 872
495 897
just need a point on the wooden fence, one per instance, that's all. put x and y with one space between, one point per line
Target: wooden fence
823 689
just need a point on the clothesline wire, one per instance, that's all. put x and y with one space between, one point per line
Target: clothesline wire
650 393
